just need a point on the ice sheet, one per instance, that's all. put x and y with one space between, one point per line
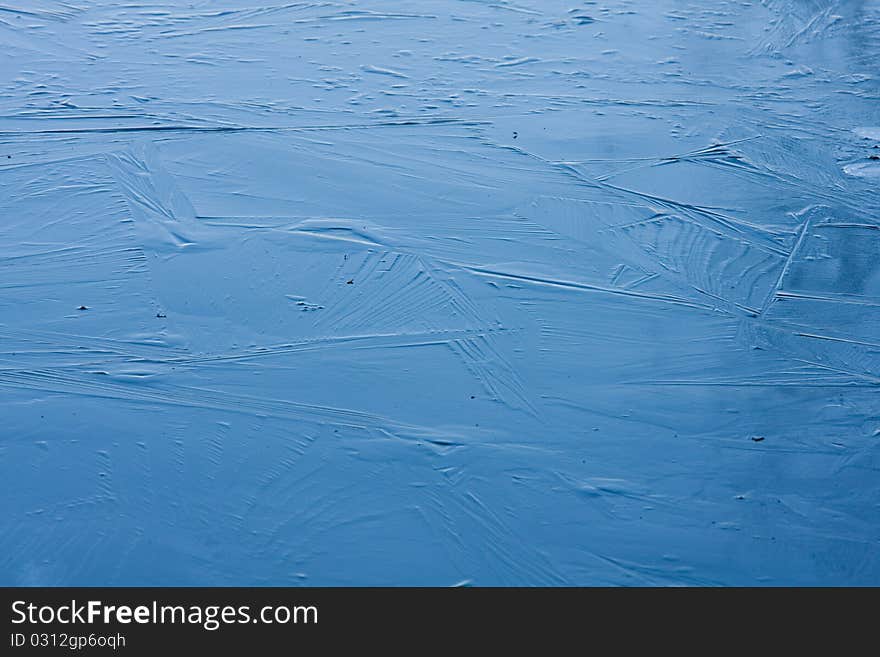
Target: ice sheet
502 292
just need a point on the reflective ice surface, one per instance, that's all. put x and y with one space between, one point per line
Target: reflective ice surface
438 292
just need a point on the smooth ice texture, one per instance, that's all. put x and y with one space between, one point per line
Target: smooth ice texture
488 292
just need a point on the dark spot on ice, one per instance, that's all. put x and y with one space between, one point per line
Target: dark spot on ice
161 315
581 19
515 134
83 308
874 157
757 439
350 281
472 397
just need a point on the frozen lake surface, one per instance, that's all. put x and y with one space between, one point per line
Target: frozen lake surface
489 292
